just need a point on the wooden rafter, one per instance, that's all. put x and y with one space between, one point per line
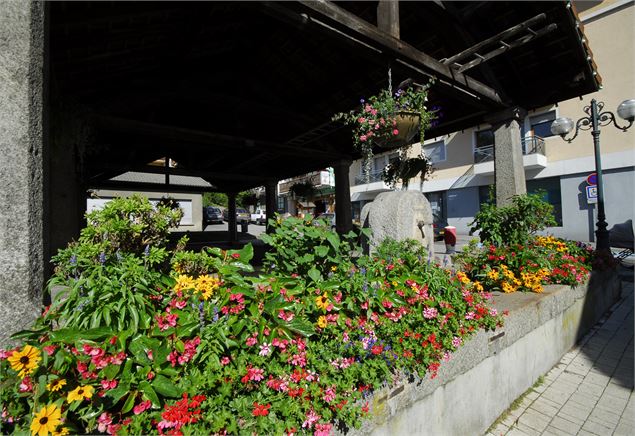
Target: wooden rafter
357 28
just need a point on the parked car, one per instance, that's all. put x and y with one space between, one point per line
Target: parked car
438 225
260 217
212 215
241 215
328 217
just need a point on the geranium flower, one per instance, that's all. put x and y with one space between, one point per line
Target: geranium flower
45 421
261 409
56 385
80 393
311 418
25 361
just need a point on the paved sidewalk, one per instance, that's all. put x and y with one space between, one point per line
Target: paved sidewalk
590 391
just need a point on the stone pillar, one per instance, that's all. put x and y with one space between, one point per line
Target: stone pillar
509 172
231 217
23 245
271 201
343 212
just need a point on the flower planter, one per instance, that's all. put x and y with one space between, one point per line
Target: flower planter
407 126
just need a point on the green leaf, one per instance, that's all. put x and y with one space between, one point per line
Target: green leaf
135 317
150 394
315 275
165 387
111 371
333 239
321 251
29 334
118 392
301 327
72 335
129 404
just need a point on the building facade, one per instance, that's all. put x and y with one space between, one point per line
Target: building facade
463 161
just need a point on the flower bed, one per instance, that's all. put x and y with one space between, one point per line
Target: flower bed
148 341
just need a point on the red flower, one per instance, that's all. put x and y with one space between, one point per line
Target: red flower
377 349
261 409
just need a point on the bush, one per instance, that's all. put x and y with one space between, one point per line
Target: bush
216 349
513 224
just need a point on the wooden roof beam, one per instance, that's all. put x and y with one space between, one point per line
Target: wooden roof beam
496 39
356 28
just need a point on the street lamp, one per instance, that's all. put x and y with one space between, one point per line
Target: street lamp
595 119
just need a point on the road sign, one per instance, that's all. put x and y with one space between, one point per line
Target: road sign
591 194
592 179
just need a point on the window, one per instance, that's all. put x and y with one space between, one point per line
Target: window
484 146
541 124
551 190
435 151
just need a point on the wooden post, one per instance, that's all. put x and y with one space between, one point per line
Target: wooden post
343 213
388 17
271 201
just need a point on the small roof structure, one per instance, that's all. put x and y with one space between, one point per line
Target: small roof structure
242 93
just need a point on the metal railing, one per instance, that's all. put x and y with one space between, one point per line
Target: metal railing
374 176
529 144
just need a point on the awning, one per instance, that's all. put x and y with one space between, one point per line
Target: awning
306 204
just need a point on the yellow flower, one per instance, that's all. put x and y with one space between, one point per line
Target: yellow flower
478 286
462 277
507 288
322 323
80 393
46 420
61 432
206 285
333 268
493 274
56 385
184 282
25 361
323 301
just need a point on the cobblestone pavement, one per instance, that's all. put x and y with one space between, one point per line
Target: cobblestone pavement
590 391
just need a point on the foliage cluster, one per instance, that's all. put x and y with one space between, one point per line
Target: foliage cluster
515 223
199 344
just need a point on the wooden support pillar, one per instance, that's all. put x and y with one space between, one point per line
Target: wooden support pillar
271 201
231 218
509 172
388 17
343 212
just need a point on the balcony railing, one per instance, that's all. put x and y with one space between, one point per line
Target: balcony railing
530 145
374 176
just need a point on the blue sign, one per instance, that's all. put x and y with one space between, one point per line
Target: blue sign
591 194
592 179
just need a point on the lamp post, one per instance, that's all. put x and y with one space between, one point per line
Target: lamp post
595 119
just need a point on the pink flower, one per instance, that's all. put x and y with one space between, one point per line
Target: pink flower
104 420
456 341
493 311
363 138
361 120
311 418
329 394
298 359
50 349
287 316
322 429
251 341
109 384
4 354
142 407
26 385
395 132
469 315
429 313
265 349
224 360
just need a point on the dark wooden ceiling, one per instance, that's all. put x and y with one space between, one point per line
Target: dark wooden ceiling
242 93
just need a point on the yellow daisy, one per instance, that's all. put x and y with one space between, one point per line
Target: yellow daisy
56 385
61 432
80 393
45 421
322 323
322 301
184 282
25 361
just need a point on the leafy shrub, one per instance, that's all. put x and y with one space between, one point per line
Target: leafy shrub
298 245
515 223
526 268
218 350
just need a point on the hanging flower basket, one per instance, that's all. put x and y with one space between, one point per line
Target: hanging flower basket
407 126
389 120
